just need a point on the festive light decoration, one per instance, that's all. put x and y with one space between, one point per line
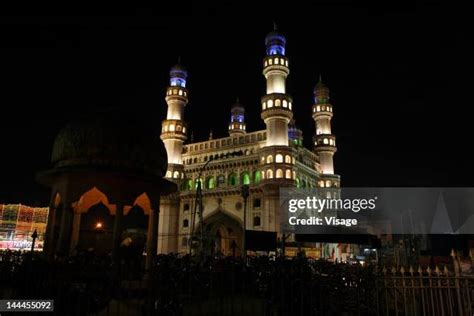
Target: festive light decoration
18 222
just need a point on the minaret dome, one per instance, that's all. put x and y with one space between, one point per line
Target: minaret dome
178 75
237 119
275 43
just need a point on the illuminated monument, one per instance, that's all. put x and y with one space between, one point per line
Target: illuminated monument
271 158
92 158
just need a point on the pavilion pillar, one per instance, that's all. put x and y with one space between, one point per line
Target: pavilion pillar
152 237
48 246
76 227
117 235
64 230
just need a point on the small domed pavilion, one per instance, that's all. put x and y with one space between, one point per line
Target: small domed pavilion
109 159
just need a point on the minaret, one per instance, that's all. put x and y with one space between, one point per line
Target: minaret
277 157
173 132
276 104
324 140
237 119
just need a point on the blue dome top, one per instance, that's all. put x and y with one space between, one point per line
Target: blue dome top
178 75
275 43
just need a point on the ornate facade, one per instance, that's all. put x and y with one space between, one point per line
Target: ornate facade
264 160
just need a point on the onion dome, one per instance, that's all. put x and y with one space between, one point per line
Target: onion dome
178 75
110 140
275 42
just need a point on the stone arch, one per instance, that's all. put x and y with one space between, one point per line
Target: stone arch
97 214
279 173
143 201
96 228
245 177
210 182
220 180
256 220
135 218
223 229
232 179
189 185
269 174
133 235
218 211
186 222
90 198
257 176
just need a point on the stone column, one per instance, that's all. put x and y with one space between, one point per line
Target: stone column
152 237
48 246
168 225
117 235
76 228
64 230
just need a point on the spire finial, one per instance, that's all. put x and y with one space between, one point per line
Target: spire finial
275 26
179 59
210 134
320 85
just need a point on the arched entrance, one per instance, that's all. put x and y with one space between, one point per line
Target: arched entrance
96 229
223 234
133 237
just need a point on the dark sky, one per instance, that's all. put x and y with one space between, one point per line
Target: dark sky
400 79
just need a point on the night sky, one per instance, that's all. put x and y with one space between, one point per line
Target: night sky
400 79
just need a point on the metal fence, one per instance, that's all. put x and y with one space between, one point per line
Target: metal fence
426 292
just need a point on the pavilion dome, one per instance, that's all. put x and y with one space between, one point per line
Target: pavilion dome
110 140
